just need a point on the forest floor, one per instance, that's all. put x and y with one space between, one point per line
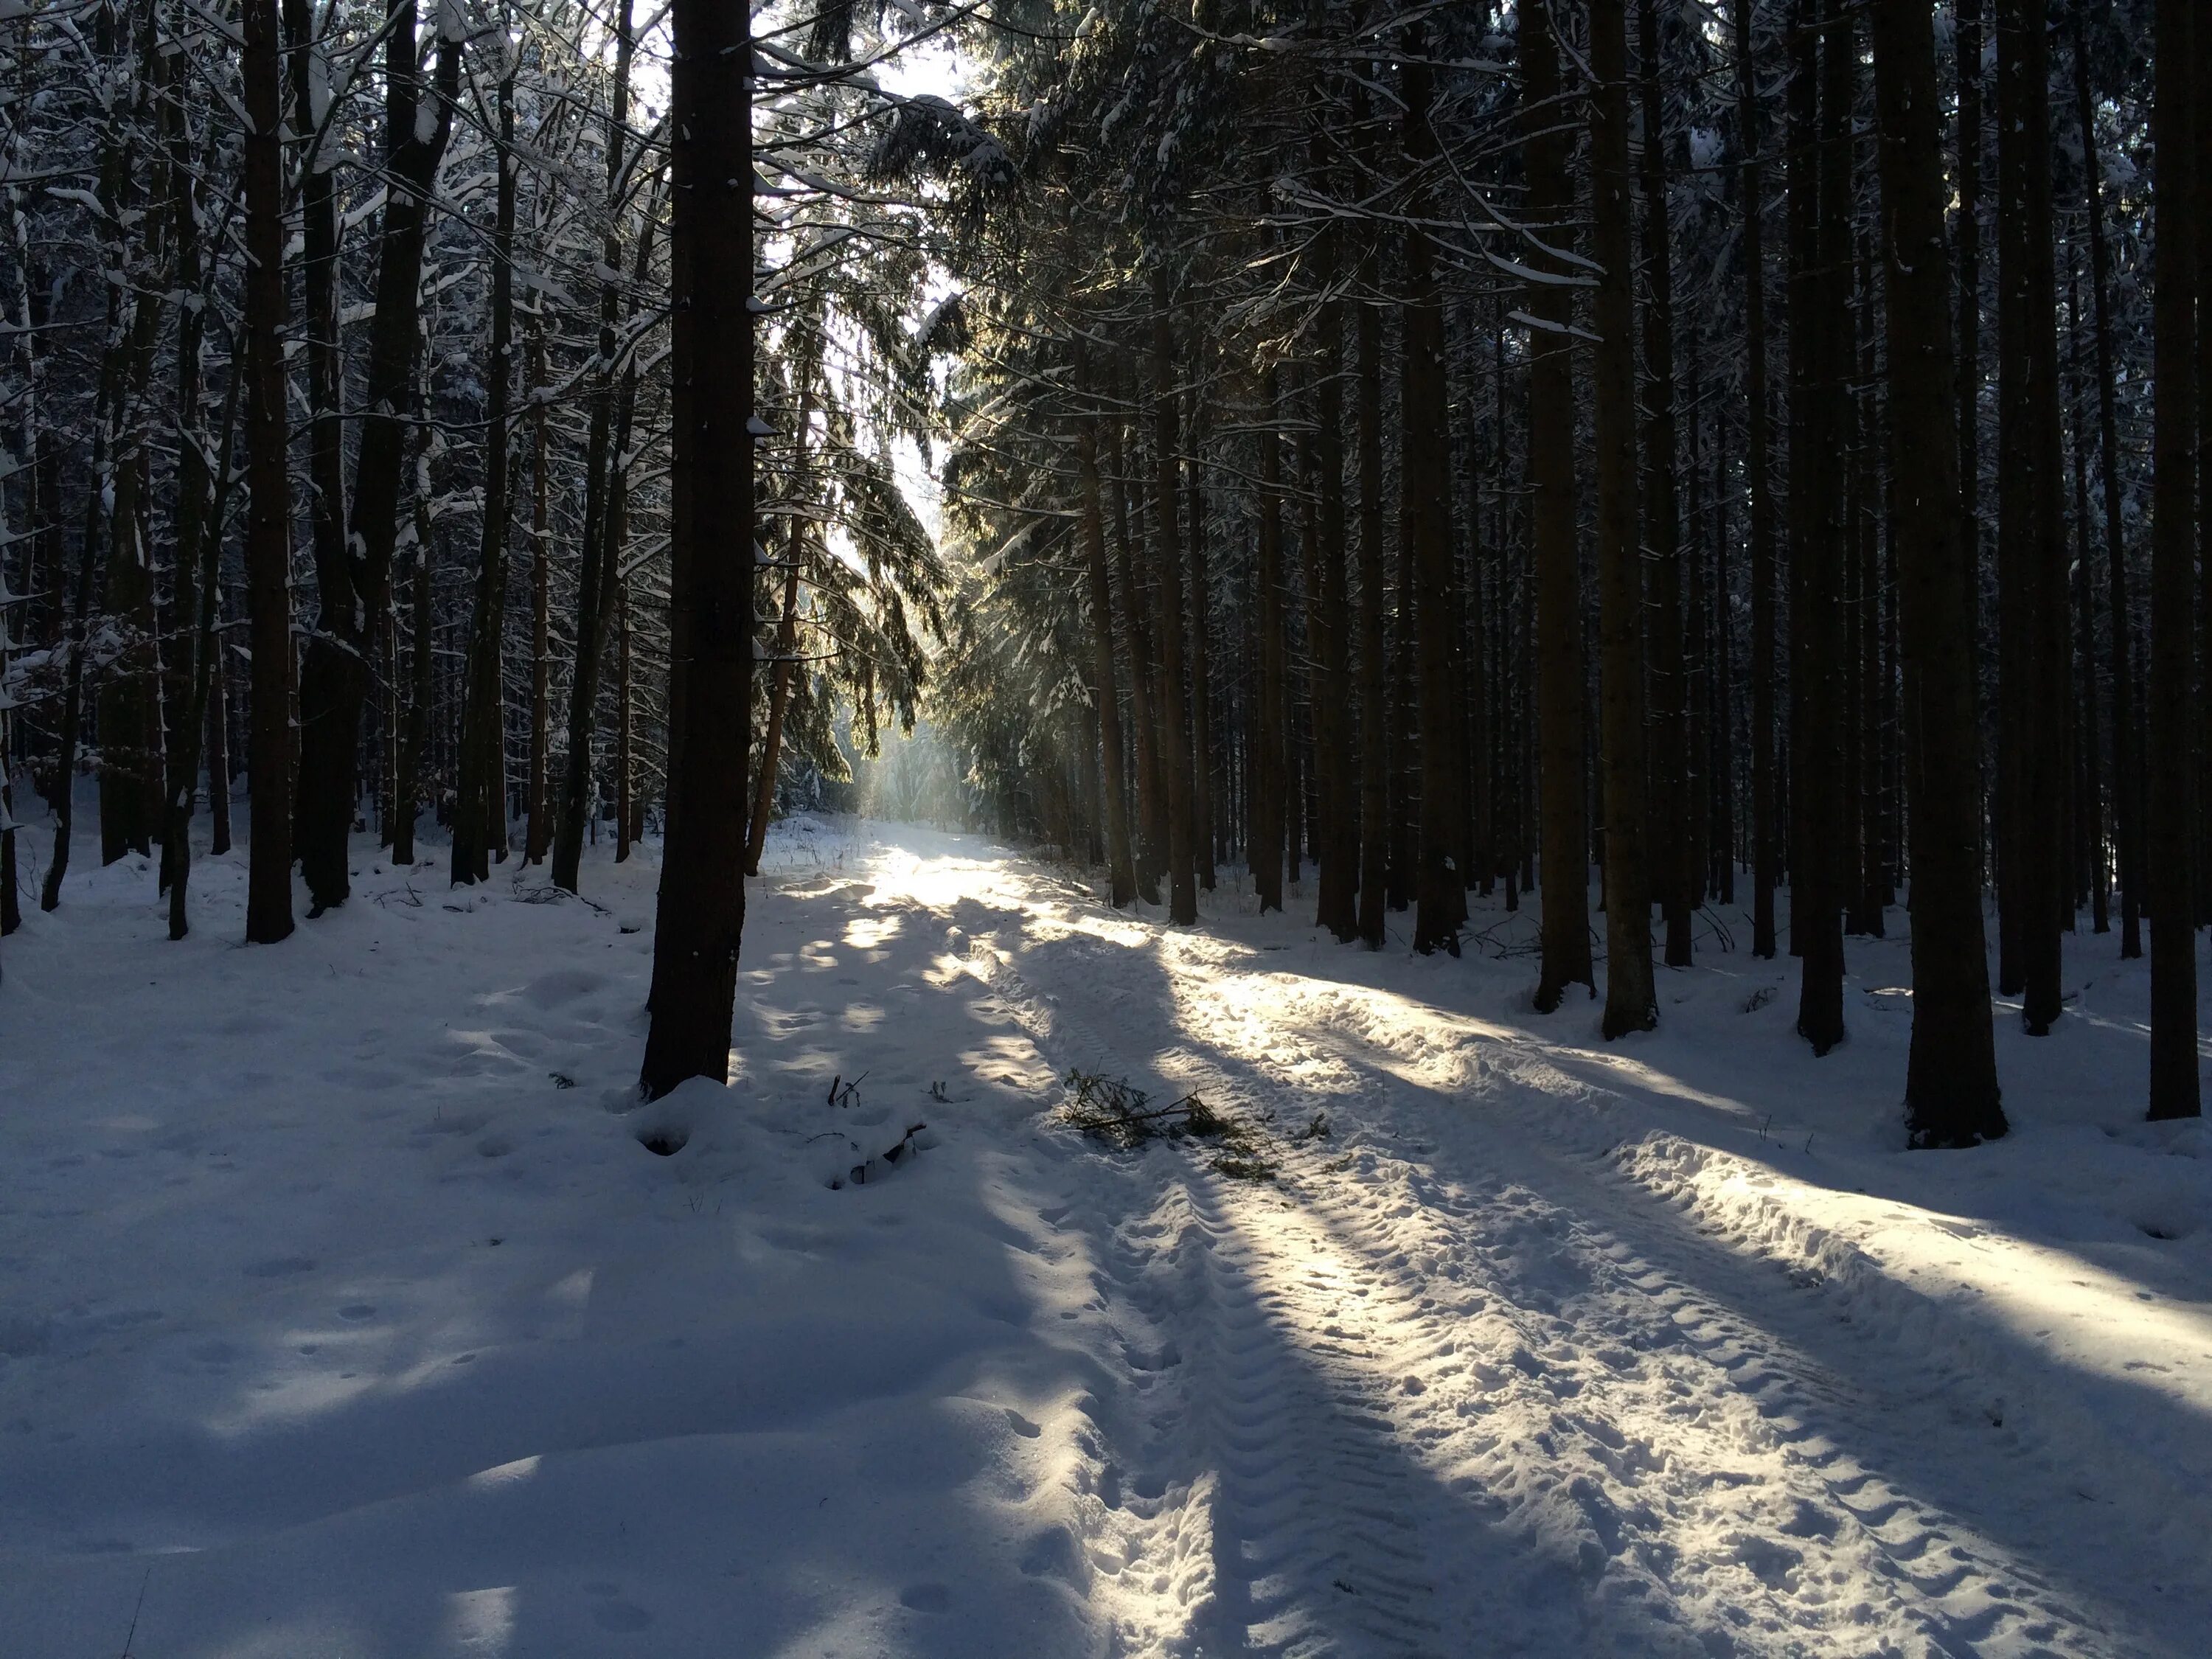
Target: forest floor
345 1310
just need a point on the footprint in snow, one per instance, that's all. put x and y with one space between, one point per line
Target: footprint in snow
926 1598
621 1616
357 1310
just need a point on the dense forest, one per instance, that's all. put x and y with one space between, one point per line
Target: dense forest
1749 454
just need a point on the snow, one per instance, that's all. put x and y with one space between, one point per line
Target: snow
344 1311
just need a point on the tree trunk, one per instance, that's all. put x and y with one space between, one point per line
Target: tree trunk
1151 853
1630 1001
2089 765
594 584
218 750
268 534
701 909
322 340
1561 679
479 805
2127 792
410 725
1272 763
2030 539
1673 850
2169 820
334 680
1424 511
538 839
1328 622
1168 598
786 633
1122 874
1951 1076
201 555
1204 824
1759 446
1816 869
1971 141
1374 680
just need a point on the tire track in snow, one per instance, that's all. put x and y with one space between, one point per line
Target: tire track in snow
1909 1411
1637 1463
1316 1545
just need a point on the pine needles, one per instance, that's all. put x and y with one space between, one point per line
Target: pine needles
1122 1115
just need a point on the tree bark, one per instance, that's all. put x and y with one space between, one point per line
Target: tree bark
1122 872
2169 819
334 678
538 839
1630 1001
1271 768
268 535
1424 510
787 632
479 804
1328 622
1374 679
1561 679
1816 870
1759 446
594 584
1204 824
2031 538
1971 141
1168 597
2127 789
1951 1096
1673 840
1150 854
702 910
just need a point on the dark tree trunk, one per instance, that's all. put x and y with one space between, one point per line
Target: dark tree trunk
321 338
1764 850
1816 864
268 533
1168 599
701 909
1561 683
1204 823
334 678
1424 509
2033 893
1271 762
595 583
1673 856
218 750
1328 624
1724 731
479 804
1374 680
1121 874
411 722
1631 1002
1951 1074
1151 852
2089 765
538 839
2169 819
1971 142
2127 792
770 758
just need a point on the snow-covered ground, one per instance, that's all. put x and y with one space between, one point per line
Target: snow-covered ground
343 1310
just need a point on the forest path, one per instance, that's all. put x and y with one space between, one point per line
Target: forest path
1456 1383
